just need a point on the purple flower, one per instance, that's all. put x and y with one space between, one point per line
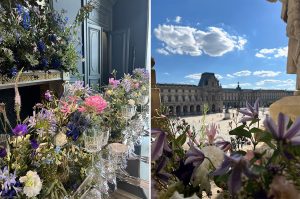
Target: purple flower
194 156
48 95
3 152
238 165
34 143
159 170
281 132
250 113
126 83
20 130
114 82
184 172
160 144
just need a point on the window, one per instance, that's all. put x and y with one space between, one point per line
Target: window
169 98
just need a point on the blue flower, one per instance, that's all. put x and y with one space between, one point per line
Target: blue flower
73 131
19 9
44 62
26 21
57 149
41 46
14 71
55 62
53 38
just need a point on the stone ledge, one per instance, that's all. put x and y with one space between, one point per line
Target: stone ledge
288 105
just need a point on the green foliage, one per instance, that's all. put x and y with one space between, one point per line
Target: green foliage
36 37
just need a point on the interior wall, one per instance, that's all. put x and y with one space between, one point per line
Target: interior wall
133 14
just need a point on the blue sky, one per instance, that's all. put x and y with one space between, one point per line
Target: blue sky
239 40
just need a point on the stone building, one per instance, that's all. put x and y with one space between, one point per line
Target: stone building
183 99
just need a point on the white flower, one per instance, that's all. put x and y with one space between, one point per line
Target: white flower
131 102
60 139
201 174
32 184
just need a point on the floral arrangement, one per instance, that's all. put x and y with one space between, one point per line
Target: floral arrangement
42 157
35 37
268 167
125 92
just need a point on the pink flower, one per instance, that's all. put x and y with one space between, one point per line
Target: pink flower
136 85
114 82
211 133
94 103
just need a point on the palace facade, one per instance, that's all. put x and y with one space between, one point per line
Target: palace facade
182 99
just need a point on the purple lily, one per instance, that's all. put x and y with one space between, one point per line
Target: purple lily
238 165
160 144
20 130
280 131
250 112
195 156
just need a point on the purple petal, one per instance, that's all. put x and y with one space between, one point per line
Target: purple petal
223 168
235 180
295 140
249 107
246 119
192 159
294 130
155 132
166 146
157 147
281 124
246 112
271 127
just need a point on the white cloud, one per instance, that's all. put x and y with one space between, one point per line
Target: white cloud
195 76
178 19
166 73
272 52
229 76
242 73
279 83
168 20
162 51
266 73
218 76
186 40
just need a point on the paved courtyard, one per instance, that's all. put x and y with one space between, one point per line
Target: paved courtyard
224 125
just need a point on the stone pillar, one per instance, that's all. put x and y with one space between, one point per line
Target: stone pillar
155 96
